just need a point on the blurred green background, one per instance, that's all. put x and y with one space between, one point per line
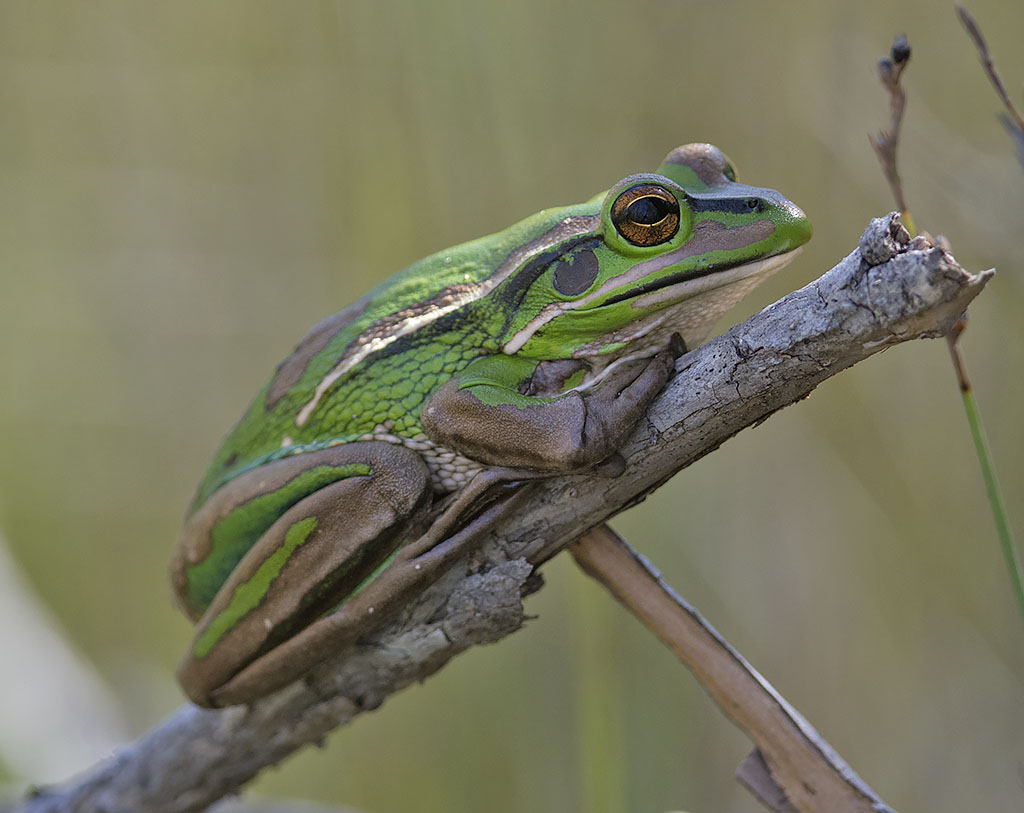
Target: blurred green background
186 187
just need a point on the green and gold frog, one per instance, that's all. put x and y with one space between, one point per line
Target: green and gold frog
530 352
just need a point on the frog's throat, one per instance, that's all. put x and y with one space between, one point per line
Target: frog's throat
692 319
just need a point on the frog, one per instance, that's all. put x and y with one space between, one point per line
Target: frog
353 480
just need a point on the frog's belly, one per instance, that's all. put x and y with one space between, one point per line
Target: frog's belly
449 471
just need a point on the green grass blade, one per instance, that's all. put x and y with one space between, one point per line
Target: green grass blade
995 497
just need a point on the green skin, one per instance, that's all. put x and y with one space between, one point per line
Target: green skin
530 352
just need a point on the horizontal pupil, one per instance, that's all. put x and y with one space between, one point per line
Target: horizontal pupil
647 211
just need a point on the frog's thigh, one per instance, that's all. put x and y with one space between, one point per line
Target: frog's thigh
315 553
230 522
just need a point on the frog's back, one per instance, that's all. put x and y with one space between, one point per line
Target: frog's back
367 369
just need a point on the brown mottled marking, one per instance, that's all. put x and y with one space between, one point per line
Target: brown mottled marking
290 371
705 159
388 325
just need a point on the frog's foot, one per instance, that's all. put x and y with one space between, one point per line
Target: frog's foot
617 404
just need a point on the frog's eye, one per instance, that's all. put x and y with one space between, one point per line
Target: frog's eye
646 215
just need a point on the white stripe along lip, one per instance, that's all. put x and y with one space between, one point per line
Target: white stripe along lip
674 280
694 285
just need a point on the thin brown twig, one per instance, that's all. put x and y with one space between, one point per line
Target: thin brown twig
990 68
959 366
886 143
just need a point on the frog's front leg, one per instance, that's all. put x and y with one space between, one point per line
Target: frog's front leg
276 548
483 414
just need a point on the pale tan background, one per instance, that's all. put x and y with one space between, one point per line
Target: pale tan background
186 187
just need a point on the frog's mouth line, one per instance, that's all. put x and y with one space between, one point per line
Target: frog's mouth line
682 282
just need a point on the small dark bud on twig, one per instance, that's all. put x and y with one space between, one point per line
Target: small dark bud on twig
900 51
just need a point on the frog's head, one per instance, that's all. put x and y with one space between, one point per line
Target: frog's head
664 253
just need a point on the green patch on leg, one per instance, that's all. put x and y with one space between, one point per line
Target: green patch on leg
248 595
233 535
365 582
574 380
380 569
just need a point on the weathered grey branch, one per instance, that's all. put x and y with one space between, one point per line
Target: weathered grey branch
886 292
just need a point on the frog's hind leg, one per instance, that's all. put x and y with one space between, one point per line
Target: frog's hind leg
331 518
414 568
